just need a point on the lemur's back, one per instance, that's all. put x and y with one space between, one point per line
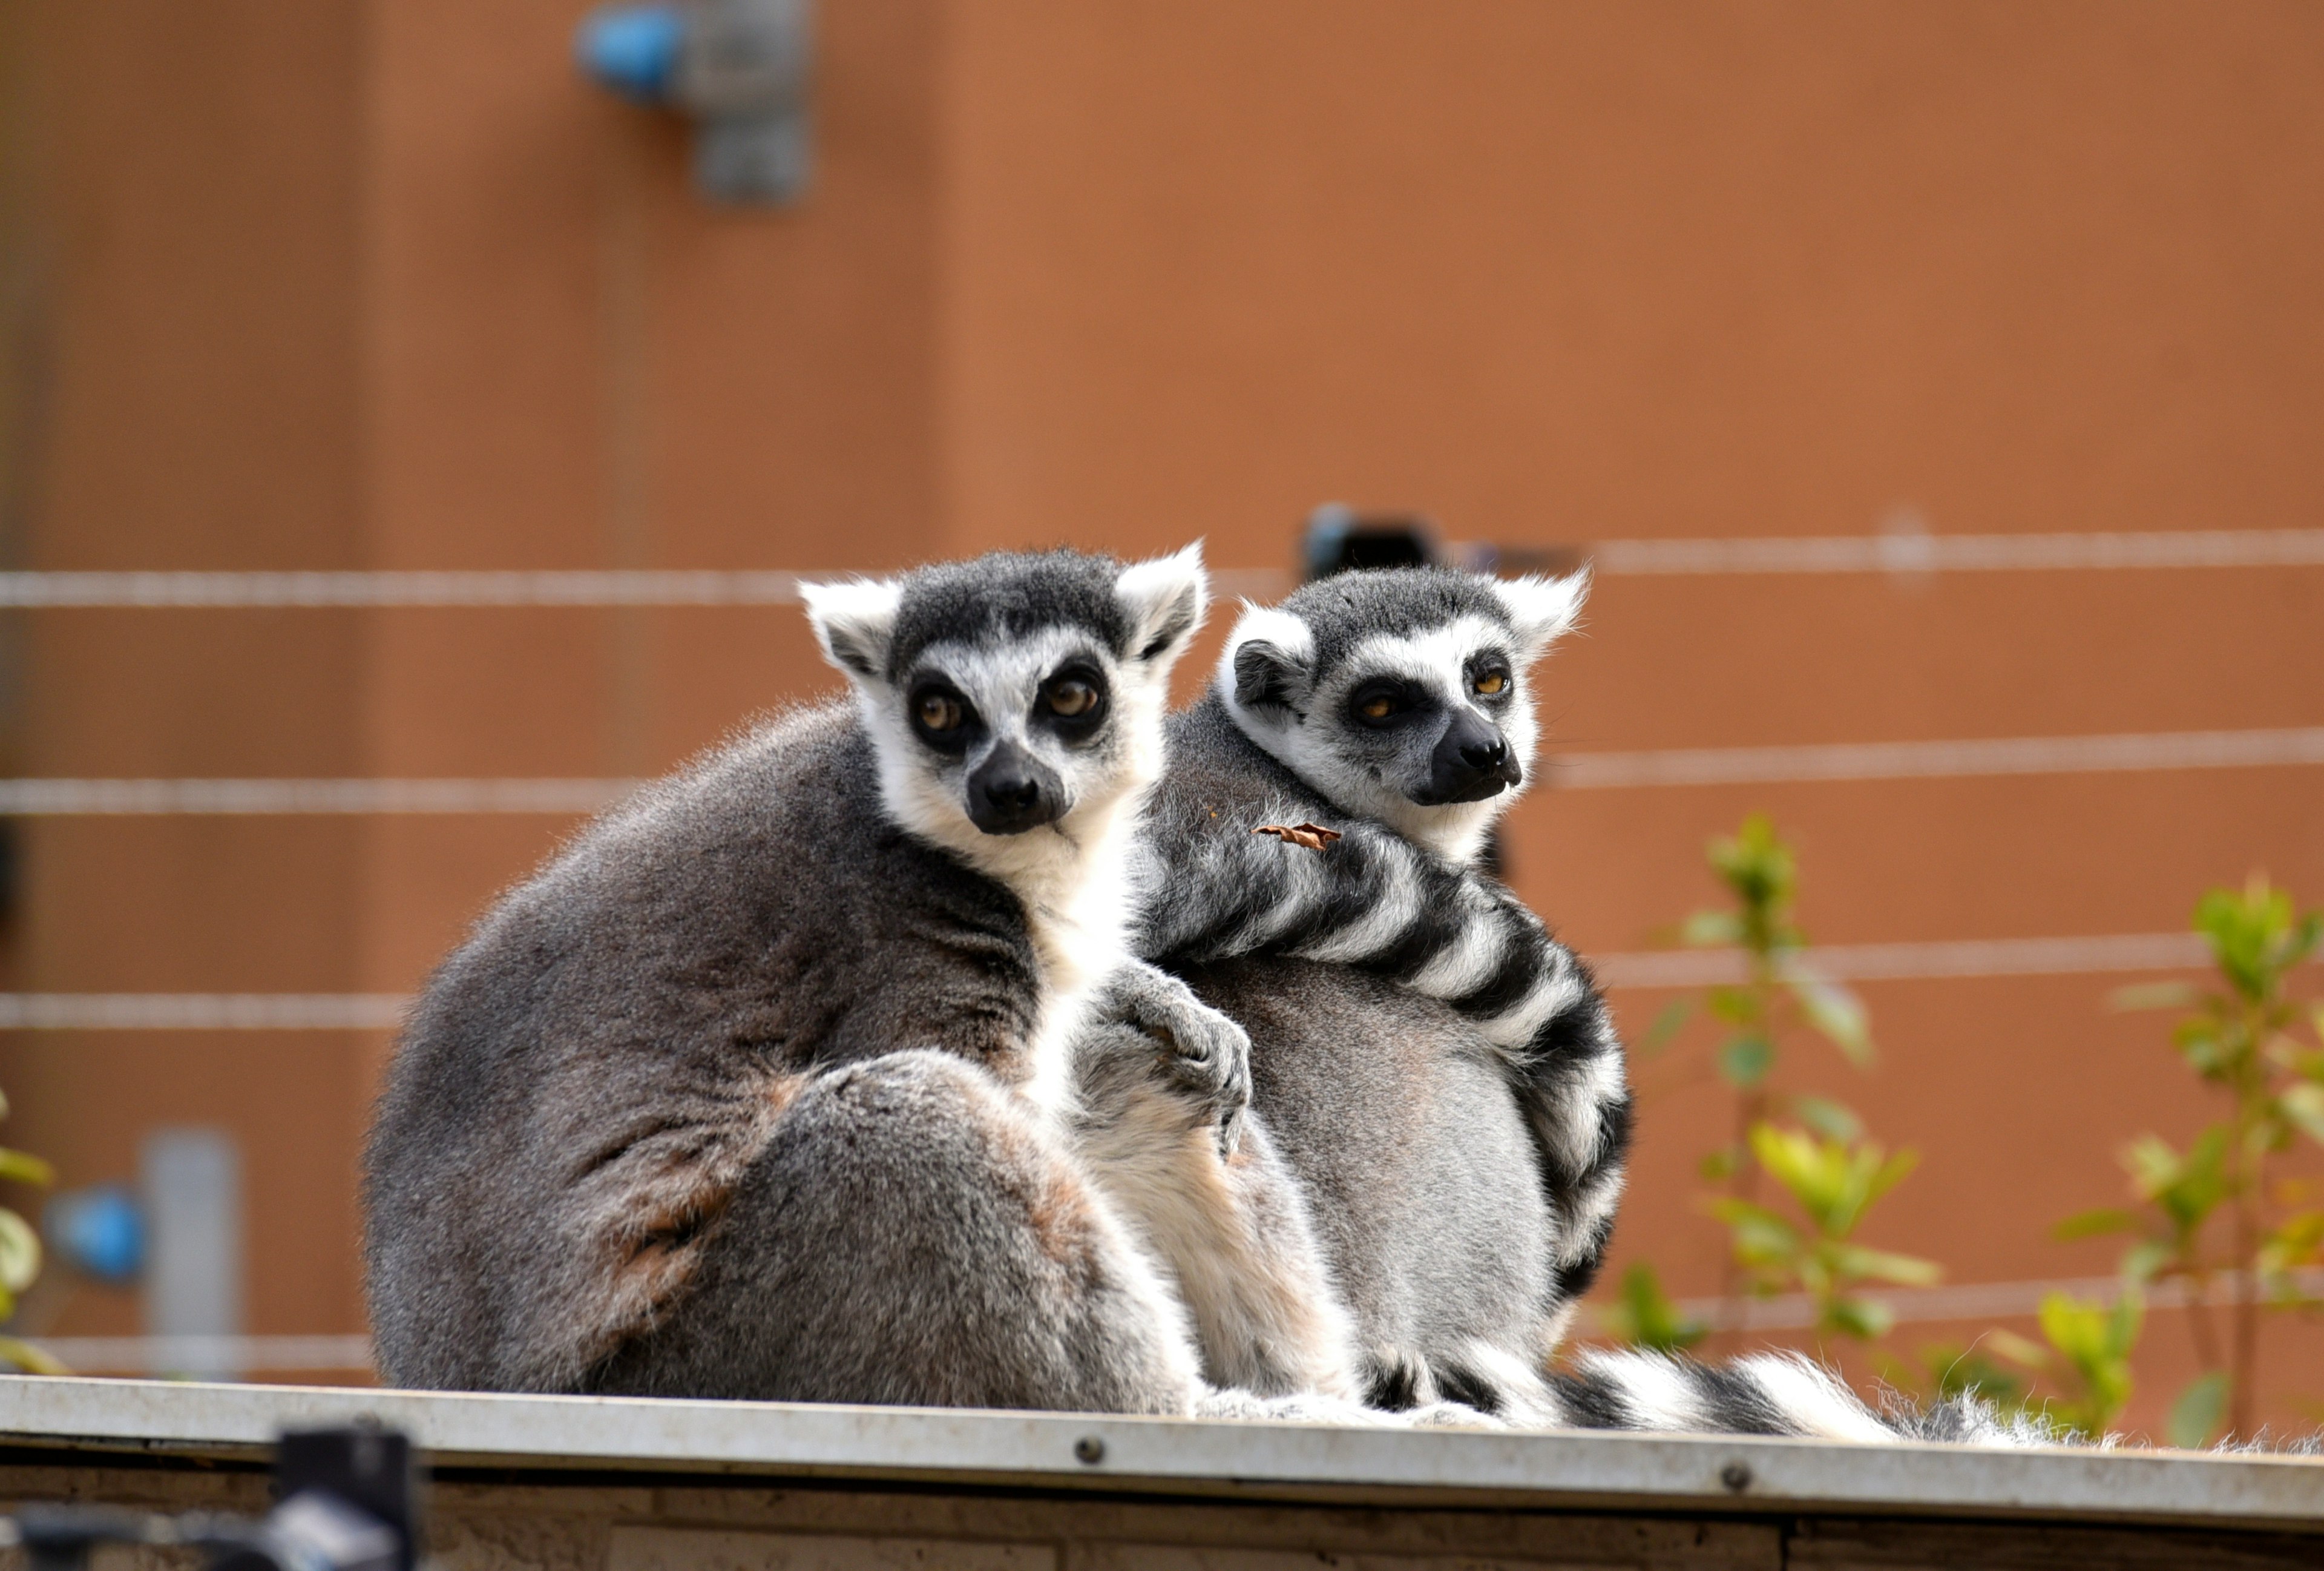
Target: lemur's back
623 1029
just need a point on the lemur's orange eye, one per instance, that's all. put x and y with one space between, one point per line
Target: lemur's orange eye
1378 707
1491 683
1071 697
939 711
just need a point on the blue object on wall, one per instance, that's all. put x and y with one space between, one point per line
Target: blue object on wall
739 69
99 1231
632 49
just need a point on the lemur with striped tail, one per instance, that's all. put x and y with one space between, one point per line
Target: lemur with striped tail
1441 1073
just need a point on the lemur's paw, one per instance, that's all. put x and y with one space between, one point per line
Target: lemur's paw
1202 1054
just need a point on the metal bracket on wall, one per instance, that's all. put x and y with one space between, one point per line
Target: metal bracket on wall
738 69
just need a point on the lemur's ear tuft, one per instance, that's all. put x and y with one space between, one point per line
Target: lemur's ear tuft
1540 608
1165 598
1267 662
1266 677
855 622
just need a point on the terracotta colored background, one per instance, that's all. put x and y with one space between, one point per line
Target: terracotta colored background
310 284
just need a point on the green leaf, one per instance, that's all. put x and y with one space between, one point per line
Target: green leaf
1710 930
1645 1316
1744 1062
1860 1317
2092 1223
1828 1118
2141 1262
2154 996
1907 1271
1667 1024
25 1169
2303 1106
20 1253
2195 1416
1838 1015
32 1360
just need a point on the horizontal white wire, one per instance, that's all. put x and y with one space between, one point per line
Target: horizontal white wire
2005 756
1947 959
1956 959
1983 1300
217 590
1915 552
1906 552
1850 760
205 1354
1790 1312
42 797
202 1012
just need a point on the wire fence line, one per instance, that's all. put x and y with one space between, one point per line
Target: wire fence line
202 1012
1852 760
1942 960
1790 1312
174 1354
1909 552
1899 552
100 798
389 590
2128 752
1998 1301
1938 960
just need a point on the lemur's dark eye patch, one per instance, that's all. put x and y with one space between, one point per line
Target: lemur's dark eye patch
1075 698
941 716
1384 702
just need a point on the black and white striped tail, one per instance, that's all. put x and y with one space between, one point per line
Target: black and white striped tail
1375 901
1767 1393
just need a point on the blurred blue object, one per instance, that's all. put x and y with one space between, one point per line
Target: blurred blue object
632 49
99 1231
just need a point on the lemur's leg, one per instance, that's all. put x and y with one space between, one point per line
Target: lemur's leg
1374 899
1162 1084
913 1231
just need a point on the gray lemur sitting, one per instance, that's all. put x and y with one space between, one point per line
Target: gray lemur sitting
1442 1073
765 1086
1443 1076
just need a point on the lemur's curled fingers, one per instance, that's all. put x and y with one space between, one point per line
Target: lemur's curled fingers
1202 1053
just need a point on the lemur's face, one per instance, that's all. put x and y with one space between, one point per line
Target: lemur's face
1013 696
1402 694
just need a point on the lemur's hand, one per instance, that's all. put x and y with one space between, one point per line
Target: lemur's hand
1202 1053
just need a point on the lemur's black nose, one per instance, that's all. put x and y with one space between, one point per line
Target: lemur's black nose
1484 755
1012 791
1472 761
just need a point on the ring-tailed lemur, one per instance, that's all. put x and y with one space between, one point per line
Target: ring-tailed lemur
1441 1073
761 1087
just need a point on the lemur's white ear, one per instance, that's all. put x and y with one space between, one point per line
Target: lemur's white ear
855 622
1541 608
1165 598
1269 660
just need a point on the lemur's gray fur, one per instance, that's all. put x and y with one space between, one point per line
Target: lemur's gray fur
1440 1072
765 1086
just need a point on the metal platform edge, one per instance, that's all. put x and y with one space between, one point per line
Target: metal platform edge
79 1421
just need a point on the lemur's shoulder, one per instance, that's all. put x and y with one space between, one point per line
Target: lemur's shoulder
1215 768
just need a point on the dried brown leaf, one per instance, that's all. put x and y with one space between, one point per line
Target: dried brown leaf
1314 837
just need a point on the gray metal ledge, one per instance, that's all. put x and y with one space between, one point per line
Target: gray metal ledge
75 1422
